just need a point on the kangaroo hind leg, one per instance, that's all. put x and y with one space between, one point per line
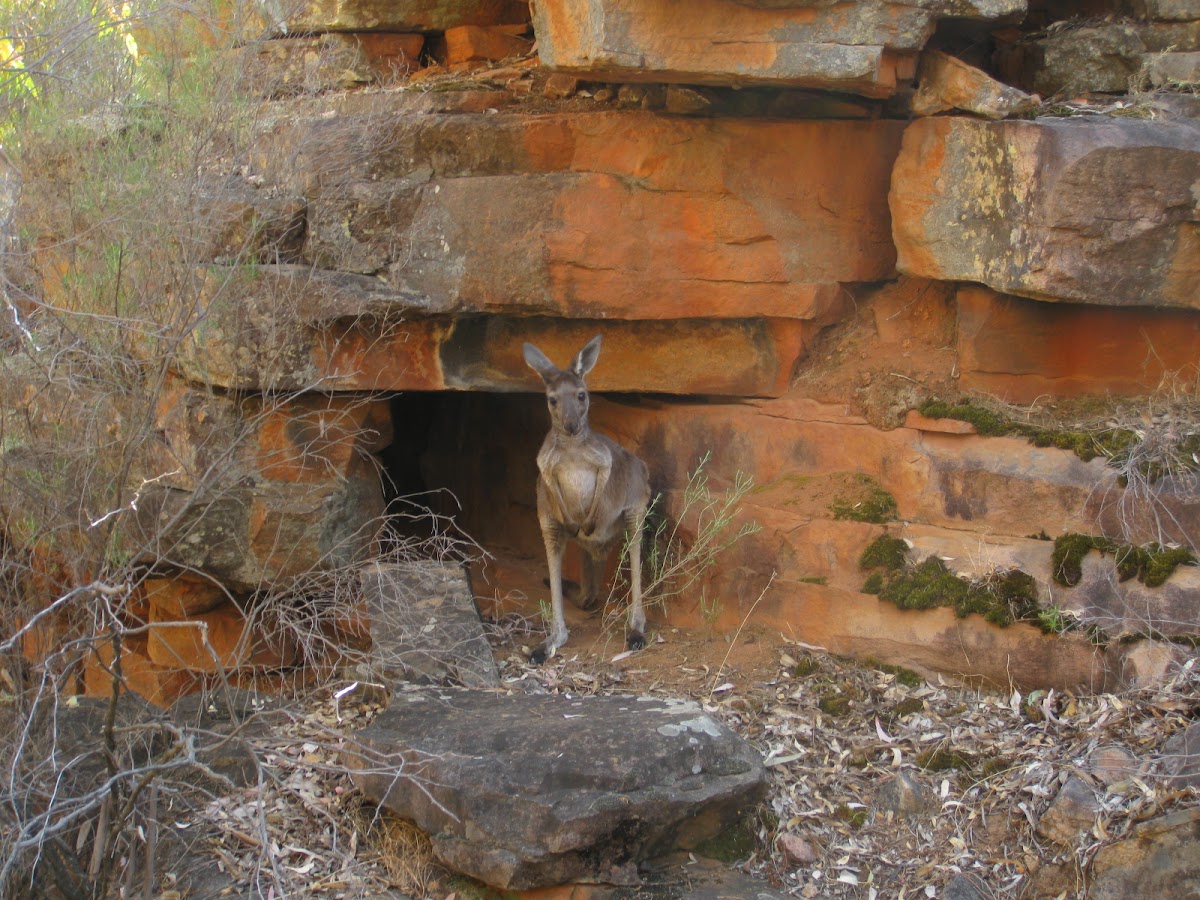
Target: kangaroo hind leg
636 638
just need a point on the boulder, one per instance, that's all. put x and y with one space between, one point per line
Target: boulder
139 674
258 491
1072 811
425 626
1097 211
1179 762
1173 70
526 791
368 351
468 45
1125 608
944 82
315 16
903 795
1160 857
862 47
1117 56
1073 61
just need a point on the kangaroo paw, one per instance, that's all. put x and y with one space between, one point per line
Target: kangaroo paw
636 640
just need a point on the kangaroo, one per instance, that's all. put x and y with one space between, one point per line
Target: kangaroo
590 489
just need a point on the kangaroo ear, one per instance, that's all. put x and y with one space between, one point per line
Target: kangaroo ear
539 362
586 358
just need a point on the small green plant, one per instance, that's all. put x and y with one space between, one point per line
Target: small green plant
1152 564
1054 620
885 552
1000 597
677 557
864 501
710 610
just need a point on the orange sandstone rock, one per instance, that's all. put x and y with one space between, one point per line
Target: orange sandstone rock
474 43
160 685
219 639
1020 349
945 82
852 47
1099 211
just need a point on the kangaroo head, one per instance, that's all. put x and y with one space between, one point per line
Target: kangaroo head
566 392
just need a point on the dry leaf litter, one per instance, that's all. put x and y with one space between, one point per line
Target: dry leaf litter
882 784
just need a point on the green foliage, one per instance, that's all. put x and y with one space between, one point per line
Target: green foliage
885 552
676 561
874 584
866 501
1087 445
1001 598
1152 564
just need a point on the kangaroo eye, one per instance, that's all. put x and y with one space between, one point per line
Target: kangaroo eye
582 396
553 401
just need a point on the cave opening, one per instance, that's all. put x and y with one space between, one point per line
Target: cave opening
469 458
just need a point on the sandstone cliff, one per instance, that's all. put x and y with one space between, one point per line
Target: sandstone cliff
794 224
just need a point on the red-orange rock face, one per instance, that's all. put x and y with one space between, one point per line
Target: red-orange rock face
1019 349
609 214
254 492
1079 209
854 47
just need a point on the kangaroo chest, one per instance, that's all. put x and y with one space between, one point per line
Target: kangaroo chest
572 475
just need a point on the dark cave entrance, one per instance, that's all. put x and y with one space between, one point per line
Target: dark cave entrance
468 456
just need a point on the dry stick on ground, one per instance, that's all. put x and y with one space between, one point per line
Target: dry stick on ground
737 634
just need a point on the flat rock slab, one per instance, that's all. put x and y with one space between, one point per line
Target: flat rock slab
425 625
527 791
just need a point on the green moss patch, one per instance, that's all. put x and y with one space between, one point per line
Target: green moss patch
863 500
730 846
906 677
1152 565
1111 443
885 552
1002 598
834 705
943 760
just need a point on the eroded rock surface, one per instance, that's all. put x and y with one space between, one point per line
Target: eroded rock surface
1159 858
862 47
1085 210
525 791
424 624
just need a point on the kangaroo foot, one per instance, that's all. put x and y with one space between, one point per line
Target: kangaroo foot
636 640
